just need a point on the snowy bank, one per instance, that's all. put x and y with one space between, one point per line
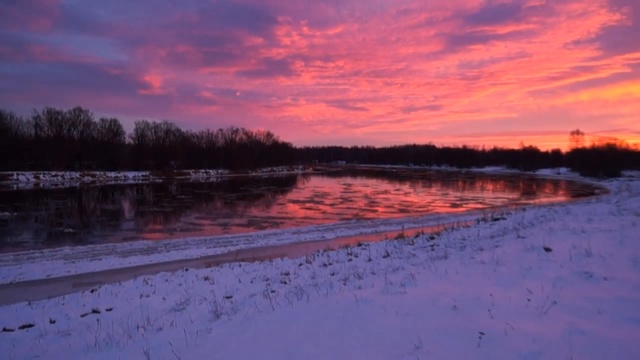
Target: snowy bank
552 282
62 179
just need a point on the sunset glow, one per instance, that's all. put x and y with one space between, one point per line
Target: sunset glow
336 72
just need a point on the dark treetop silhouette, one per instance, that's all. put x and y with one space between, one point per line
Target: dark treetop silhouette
56 139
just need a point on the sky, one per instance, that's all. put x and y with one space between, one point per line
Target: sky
335 72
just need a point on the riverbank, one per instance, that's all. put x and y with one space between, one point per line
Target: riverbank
62 179
557 282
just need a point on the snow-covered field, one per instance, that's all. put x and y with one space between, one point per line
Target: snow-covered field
551 282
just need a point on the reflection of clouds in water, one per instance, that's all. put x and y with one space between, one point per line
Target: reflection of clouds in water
166 210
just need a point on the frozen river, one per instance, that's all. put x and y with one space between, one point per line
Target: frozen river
46 218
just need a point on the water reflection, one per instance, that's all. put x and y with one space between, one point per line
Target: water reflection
113 213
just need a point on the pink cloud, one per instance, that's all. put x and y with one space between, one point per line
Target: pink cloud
379 72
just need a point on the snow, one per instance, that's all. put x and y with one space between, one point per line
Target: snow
549 282
48 263
62 179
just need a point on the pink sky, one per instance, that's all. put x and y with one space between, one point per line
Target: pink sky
336 72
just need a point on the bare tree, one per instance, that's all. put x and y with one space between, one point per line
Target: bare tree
110 131
49 123
79 124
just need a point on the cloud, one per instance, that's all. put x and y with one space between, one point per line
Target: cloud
29 15
380 71
345 105
621 38
268 68
414 108
495 14
68 80
227 15
479 37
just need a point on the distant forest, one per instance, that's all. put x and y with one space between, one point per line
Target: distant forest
56 139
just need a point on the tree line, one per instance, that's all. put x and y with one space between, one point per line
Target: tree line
597 160
56 139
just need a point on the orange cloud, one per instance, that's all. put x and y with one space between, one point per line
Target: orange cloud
381 72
